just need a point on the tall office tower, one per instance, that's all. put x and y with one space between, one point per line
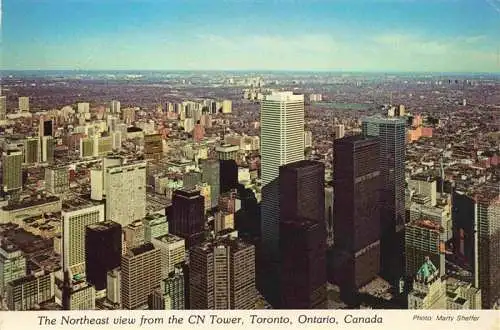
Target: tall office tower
488 215
113 283
424 238
157 300
47 149
86 147
302 235
172 252
3 107
140 275
429 289
12 173
329 215
26 292
12 265
115 106
357 178
46 127
57 179
153 146
126 193
174 287
155 225
302 191
82 297
303 264
133 234
227 106
222 275
282 142
24 104
76 216
128 115
391 134
31 150
191 179
228 175
188 215
465 233
339 131
227 152
103 250
210 169
83 107
205 192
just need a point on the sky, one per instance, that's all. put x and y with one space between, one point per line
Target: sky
330 35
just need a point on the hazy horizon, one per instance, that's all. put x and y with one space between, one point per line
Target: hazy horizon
400 36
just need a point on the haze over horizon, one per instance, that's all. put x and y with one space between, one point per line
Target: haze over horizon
252 35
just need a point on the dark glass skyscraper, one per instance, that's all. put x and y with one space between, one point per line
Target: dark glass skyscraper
391 133
356 211
188 211
103 250
302 235
228 175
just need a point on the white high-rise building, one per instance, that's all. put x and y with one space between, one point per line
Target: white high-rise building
83 107
126 193
339 130
77 215
24 104
12 265
282 142
3 107
115 106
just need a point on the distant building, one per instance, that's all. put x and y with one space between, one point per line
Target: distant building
115 106
113 284
153 146
228 175
24 104
211 174
140 275
12 175
57 180
227 152
32 150
222 275
227 106
3 107
307 139
339 131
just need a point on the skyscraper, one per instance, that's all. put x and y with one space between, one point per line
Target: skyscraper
12 175
153 146
103 250
3 107
211 175
140 275
356 212
222 275
488 215
126 192
228 175
391 135
32 150
24 104
188 215
115 106
57 179
282 142
76 216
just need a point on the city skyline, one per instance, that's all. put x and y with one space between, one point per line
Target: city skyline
382 35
